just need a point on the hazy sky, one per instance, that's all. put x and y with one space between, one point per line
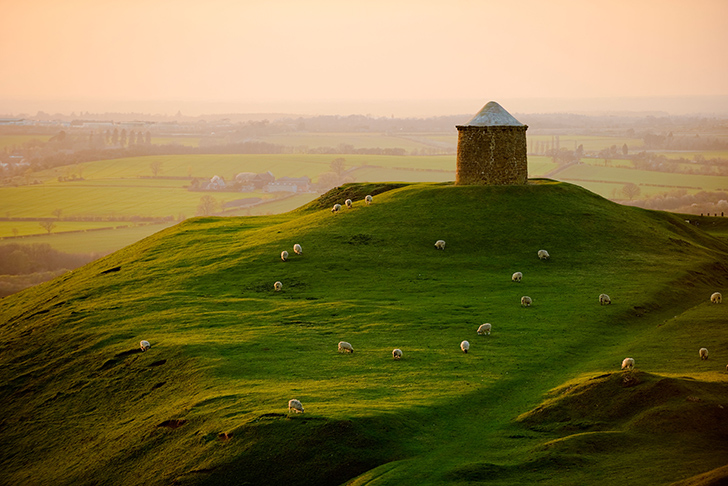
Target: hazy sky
401 57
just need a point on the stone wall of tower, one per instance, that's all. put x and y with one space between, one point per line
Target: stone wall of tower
492 155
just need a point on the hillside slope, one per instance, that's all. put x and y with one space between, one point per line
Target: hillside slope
208 403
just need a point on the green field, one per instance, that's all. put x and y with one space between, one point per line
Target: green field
10 141
358 140
101 242
541 400
651 182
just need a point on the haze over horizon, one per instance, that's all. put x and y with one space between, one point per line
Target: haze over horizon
401 58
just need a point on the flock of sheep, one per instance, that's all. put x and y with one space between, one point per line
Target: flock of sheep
484 329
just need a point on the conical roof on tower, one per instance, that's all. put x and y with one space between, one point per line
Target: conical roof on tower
493 115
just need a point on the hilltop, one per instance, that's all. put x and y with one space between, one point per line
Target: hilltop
540 400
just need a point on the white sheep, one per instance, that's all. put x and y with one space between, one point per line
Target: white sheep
484 329
517 277
703 353
348 203
526 301
336 208
465 346
368 199
716 298
284 255
440 245
278 286
144 345
628 363
604 299
397 353
297 249
295 405
543 254
345 347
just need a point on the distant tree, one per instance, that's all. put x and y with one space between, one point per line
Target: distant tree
15 231
107 136
57 213
579 152
630 191
148 138
625 149
156 167
115 136
132 138
337 166
122 141
207 206
48 225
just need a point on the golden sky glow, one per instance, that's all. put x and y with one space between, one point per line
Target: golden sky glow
312 55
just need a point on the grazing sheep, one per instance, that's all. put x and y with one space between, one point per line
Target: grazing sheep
277 286
543 254
397 353
284 255
297 249
348 203
526 301
368 199
484 329
628 363
703 353
336 208
295 405
604 299
465 346
345 347
440 245
144 345
517 277
716 298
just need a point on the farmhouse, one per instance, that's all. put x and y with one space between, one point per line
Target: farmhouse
289 184
492 149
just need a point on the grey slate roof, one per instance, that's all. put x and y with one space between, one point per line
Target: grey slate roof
493 115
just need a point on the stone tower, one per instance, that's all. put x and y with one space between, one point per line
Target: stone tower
492 149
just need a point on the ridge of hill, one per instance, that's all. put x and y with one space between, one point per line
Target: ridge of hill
207 404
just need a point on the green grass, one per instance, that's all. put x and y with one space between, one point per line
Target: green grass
207 404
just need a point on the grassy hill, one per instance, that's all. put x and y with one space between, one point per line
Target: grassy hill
541 399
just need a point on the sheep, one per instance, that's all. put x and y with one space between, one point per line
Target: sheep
297 249
368 199
440 245
517 277
144 345
278 286
526 301
716 298
465 346
604 299
628 363
284 255
543 254
295 405
336 208
703 353
397 353
484 329
348 203
345 347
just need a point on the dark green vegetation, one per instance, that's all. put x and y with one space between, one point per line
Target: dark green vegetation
541 399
